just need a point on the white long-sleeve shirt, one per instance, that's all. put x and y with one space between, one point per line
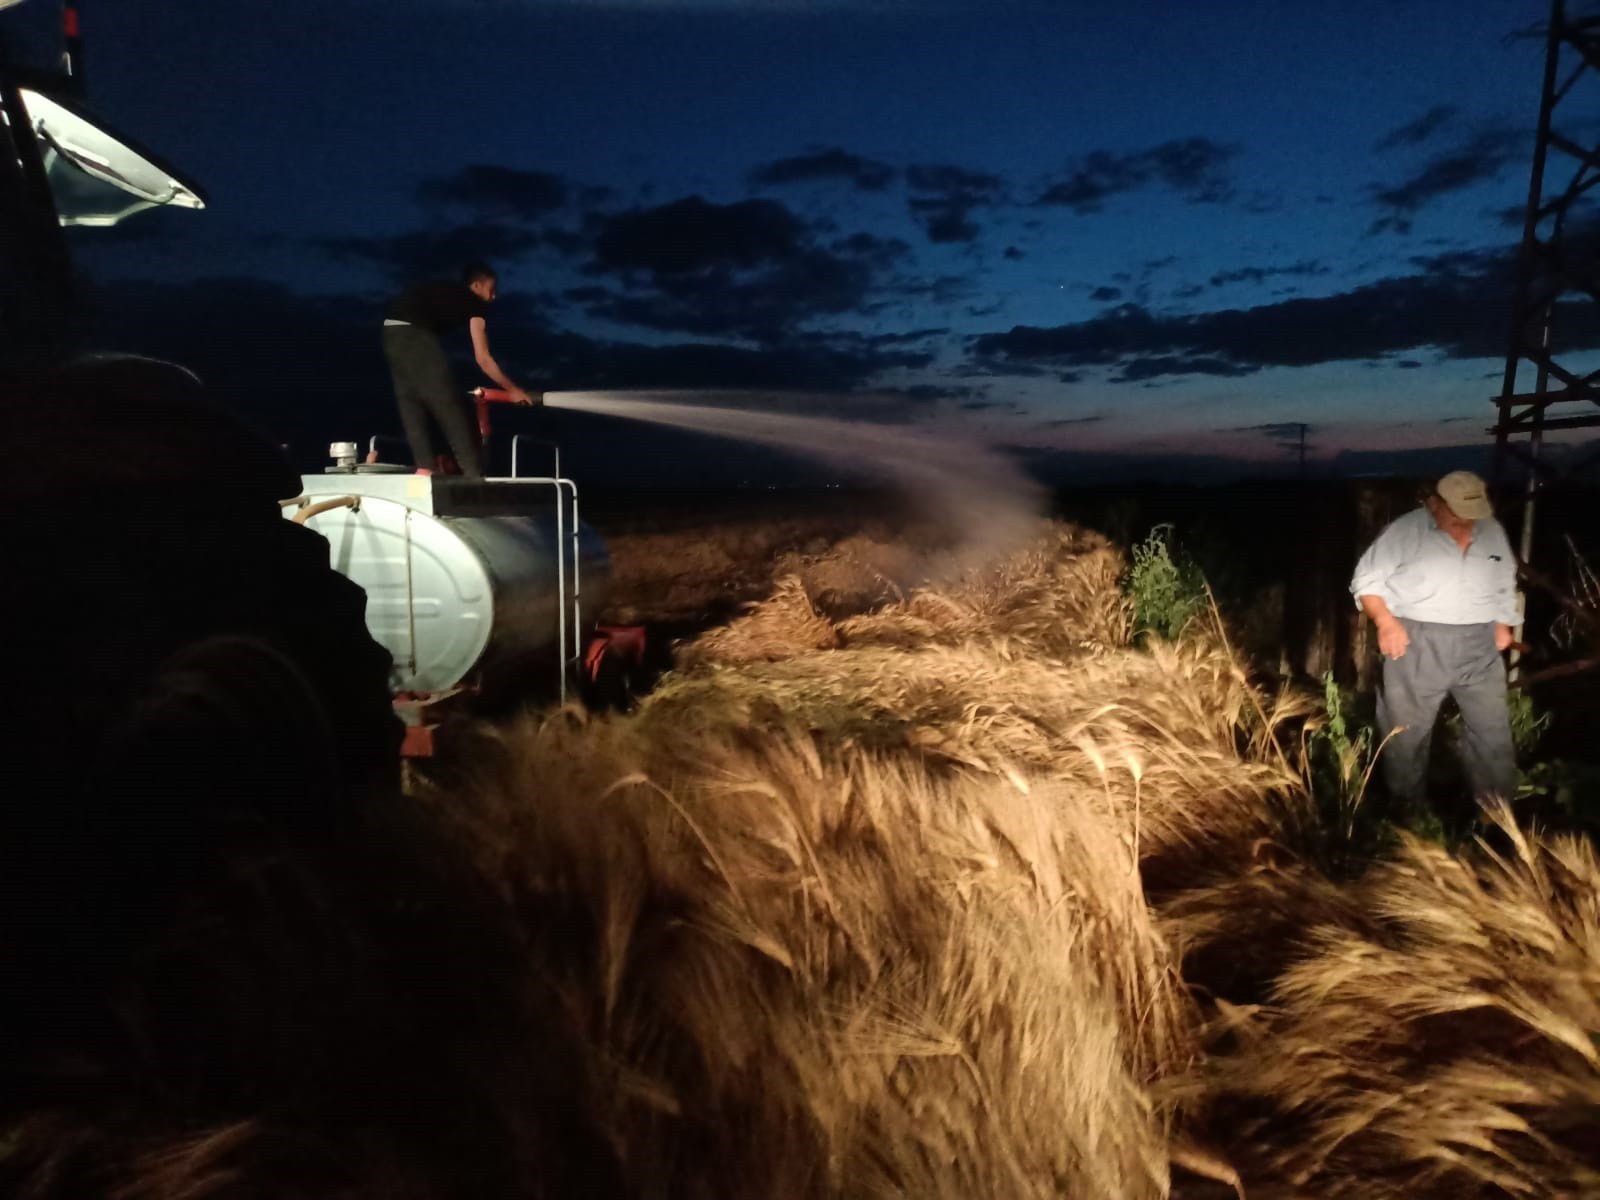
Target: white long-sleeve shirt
1421 573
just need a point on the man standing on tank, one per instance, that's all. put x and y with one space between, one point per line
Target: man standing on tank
424 386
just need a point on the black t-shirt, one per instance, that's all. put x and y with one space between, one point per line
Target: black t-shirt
439 306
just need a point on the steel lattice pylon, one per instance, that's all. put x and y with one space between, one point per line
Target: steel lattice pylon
1558 271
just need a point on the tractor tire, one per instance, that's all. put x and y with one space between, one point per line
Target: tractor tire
151 526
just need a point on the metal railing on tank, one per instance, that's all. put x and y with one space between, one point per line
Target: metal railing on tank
568 643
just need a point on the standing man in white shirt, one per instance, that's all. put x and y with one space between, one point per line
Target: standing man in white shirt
1440 583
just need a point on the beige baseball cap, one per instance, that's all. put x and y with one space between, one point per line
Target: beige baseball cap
1466 494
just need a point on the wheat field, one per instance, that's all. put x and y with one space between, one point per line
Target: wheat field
917 878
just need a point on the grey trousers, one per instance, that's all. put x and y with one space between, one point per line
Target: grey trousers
1459 661
424 388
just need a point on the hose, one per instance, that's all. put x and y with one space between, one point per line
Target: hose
322 506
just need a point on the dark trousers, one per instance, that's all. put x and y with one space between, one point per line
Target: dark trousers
1459 661
424 389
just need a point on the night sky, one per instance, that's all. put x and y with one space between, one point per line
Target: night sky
1174 229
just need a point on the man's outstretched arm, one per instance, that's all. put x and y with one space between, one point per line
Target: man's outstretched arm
479 329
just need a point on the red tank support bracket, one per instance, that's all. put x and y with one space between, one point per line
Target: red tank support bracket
613 666
625 641
418 741
422 713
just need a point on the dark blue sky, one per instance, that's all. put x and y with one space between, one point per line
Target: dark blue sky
1172 228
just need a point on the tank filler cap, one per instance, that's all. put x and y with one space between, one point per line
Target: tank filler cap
343 455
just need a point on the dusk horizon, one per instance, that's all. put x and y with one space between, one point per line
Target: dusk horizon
1157 238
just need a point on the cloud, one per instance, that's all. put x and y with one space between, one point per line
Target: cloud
589 363
1414 133
1141 369
906 338
749 270
1194 167
927 393
1481 158
978 367
1095 178
1261 274
504 192
1278 430
1455 304
875 353
1063 422
882 252
943 178
941 289
692 235
825 164
1262 202
943 198
440 252
566 242
1106 294
757 310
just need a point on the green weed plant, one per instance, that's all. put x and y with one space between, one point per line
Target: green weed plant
1168 588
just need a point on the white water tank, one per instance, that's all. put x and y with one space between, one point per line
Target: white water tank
465 579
